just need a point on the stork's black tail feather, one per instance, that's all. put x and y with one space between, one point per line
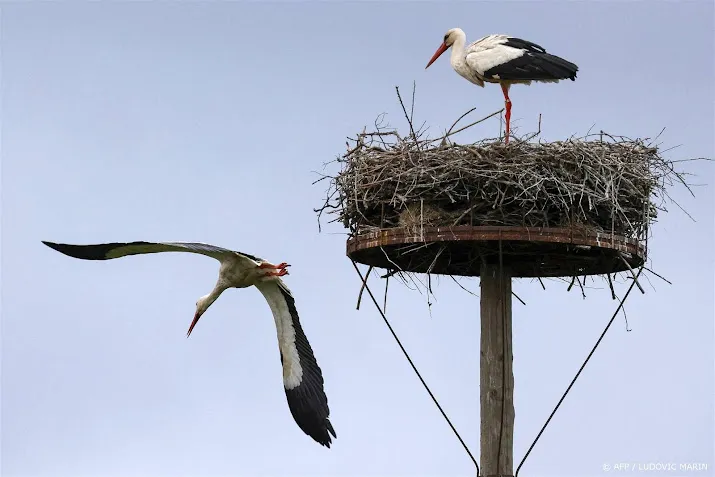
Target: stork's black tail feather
558 67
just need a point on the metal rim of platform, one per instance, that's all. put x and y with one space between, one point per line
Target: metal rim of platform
566 241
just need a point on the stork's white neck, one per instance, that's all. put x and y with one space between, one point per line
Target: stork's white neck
456 58
206 301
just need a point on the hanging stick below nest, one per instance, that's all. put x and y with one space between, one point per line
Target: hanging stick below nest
659 276
517 297
610 284
632 272
362 288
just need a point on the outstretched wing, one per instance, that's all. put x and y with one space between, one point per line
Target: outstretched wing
108 251
302 377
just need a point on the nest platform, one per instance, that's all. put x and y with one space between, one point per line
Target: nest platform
583 206
528 252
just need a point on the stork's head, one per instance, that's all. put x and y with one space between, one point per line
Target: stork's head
201 306
449 38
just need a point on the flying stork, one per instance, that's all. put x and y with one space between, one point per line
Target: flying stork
505 60
302 377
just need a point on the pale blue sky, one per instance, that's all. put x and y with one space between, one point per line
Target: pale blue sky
203 122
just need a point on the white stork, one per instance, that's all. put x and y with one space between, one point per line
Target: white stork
505 60
302 377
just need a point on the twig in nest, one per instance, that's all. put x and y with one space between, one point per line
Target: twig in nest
404 110
455 123
538 131
473 124
412 107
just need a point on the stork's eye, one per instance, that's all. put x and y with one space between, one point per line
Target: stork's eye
445 38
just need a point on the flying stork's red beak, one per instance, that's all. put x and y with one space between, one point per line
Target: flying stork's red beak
193 323
442 48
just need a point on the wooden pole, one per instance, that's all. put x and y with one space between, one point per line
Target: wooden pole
496 389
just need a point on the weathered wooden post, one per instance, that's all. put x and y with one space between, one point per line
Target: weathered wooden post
496 379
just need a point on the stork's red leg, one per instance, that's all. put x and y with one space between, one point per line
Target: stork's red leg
507 116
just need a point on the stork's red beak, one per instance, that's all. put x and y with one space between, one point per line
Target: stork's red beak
442 48
193 323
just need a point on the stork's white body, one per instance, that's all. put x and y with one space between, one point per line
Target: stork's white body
474 60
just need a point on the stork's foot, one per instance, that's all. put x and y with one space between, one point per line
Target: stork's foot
271 272
281 266
276 274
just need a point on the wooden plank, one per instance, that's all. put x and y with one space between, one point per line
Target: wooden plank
496 402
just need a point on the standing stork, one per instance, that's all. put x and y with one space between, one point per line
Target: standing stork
505 60
302 377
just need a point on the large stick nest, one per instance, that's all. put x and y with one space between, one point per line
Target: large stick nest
599 182
598 185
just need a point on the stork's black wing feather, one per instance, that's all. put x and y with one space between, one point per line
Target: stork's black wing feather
307 401
524 45
108 251
535 64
